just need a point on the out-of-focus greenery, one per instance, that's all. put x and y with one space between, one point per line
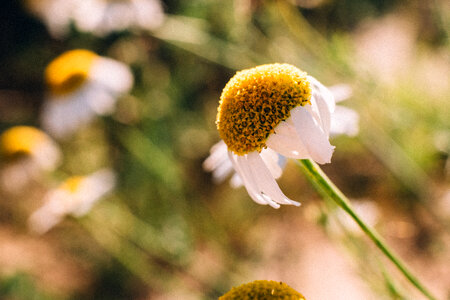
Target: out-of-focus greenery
147 239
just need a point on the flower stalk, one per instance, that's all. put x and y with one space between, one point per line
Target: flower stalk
326 188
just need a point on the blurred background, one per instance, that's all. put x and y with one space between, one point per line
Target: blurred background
167 231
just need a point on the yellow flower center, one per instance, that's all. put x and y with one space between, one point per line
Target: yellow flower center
69 71
72 184
263 290
255 101
21 140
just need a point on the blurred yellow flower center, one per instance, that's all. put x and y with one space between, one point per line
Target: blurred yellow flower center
255 101
263 290
69 71
21 140
72 184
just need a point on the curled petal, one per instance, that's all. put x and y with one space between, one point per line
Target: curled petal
286 141
324 100
242 167
265 181
312 135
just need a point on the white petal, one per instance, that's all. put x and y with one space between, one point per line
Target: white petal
324 92
101 99
265 181
92 189
312 135
61 116
341 92
344 121
286 141
218 162
47 155
149 13
241 166
114 75
272 161
324 100
236 181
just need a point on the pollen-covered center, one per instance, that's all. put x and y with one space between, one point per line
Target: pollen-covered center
21 140
255 101
263 289
69 71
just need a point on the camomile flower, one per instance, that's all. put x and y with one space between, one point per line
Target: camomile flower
99 17
343 121
267 112
75 196
26 153
263 289
81 85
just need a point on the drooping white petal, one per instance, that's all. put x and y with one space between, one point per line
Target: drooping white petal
218 162
312 135
61 116
344 121
286 141
325 102
265 181
324 92
272 161
242 167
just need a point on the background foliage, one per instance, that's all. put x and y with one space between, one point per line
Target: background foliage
168 231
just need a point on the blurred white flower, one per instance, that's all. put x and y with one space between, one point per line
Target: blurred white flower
343 121
80 86
100 17
26 153
75 197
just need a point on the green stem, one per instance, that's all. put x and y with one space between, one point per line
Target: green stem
326 187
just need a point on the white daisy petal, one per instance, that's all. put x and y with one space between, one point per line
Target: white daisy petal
112 74
344 121
236 181
324 100
218 162
340 92
265 180
313 137
271 160
242 168
286 141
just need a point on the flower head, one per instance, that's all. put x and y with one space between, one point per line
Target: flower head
75 196
268 111
343 121
255 101
81 84
263 289
30 143
26 152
